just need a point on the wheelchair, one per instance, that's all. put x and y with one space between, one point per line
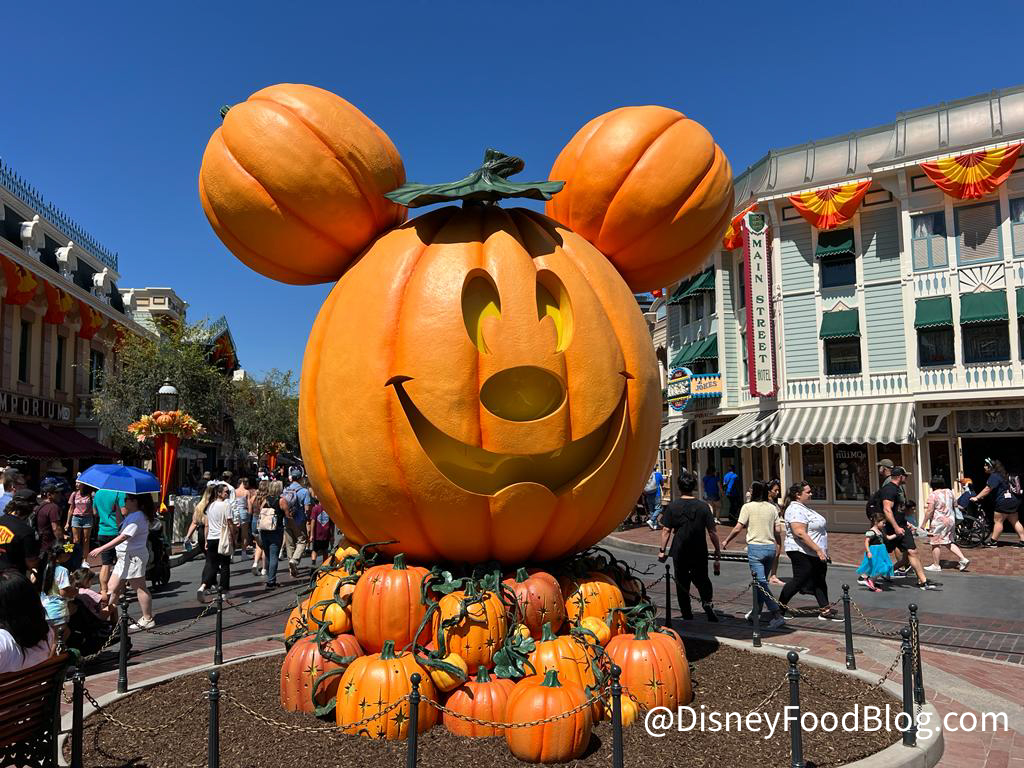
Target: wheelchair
972 528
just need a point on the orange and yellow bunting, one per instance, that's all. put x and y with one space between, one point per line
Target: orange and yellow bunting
832 207
974 174
21 284
733 237
92 320
58 304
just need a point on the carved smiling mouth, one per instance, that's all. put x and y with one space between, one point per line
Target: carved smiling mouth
486 473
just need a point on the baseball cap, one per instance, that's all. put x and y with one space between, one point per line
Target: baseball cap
887 463
25 493
295 473
898 471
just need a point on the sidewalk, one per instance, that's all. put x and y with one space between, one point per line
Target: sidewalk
848 549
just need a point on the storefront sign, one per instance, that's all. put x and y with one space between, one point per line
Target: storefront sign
706 385
760 327
679 388
26 406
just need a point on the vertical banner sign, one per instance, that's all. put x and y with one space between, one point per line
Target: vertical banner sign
679 388
760 325
165 447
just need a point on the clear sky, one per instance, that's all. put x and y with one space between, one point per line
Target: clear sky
109 105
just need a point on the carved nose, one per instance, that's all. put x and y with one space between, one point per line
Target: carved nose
524 393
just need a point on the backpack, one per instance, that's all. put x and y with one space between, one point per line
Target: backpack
268 516
652 483
294 504
1013 481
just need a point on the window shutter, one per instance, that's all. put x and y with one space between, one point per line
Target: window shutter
1018 239
921 260
938 251
978 233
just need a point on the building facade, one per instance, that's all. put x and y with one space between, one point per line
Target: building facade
896 322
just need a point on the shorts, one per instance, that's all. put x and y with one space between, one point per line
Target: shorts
905 542
712 498
321 546
132 565
81 521
107 556
245 517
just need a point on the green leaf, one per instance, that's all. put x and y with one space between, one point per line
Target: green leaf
513 657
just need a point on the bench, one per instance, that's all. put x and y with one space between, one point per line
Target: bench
30 713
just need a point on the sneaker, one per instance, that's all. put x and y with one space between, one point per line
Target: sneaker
991 543
293 569
933 567
255 570
142 625
652 525
709 611
829 616
747 615
263 571
862 577
900 572
777 623
924 586
962 565
201 594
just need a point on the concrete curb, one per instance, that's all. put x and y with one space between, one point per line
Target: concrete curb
926 754
184 557
107 698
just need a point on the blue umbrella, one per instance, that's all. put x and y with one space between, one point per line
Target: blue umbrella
114 477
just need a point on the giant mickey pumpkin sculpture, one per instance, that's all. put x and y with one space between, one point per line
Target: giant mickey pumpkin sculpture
479 384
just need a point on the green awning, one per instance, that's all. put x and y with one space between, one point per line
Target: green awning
704 349
983 307
934 313
677 294
840 325
1020 302
705 281
833 243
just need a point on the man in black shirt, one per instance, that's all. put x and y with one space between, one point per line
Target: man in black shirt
893 502
19 547
690 521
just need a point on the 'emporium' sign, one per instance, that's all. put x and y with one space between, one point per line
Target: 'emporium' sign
760 328
26 406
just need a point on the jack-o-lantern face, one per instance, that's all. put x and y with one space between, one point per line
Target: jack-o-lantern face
480 385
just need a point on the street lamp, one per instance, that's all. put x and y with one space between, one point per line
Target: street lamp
167 397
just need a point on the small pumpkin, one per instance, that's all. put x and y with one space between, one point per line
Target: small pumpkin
293 183
331 595
557 741
566 654
602 632
305 663
539 598
296 623
650 188
386 605
478 635
165 420
485 698
595 594
629 710
654 667
372 683
444 680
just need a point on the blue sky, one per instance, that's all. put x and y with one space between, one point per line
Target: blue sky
108 106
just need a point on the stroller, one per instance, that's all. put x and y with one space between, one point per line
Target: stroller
972 528
159 569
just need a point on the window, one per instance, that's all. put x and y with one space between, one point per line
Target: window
698 307
712 302
986 342
659 313
842 357
977 233
839 271
24 351
684 305
935 346
1017 225
59 375
745 360
850 472
741 285
928 240
813 459
96 364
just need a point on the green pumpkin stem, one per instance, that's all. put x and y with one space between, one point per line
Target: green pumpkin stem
224 111
388 651
551 679
482 676
642 631
399 562
522 575
546 635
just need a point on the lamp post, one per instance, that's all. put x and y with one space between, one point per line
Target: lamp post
167 397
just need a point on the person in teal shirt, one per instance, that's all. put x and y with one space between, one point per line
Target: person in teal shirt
108 506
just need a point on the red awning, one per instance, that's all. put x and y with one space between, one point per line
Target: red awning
82 446
15 442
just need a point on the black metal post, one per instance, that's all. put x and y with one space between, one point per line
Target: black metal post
213 738
122 659
414 720
616 717
668 596
915 637
755 613
851 660
218 643
796 733
77 695
910 734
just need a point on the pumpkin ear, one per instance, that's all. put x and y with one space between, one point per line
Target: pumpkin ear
293 183
650 188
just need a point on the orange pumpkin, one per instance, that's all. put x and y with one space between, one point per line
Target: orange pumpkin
304 664
484 698
446 681
540 600
557 741
565 654
480 633
650 188
524 430
372 683
330 595
296 619
601 631
629 710
386 605
592 595
654 668
164 420
293 183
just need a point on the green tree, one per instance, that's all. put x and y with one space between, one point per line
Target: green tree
265 411
181 356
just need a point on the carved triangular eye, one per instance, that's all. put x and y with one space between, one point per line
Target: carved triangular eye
480 300
553 302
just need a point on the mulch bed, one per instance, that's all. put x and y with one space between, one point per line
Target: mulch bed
726 680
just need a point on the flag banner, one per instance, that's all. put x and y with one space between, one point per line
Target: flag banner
832 207
974 174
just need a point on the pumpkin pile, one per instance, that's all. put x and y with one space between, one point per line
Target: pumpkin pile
491 648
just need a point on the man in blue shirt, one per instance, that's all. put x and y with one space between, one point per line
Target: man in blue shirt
733 494
298 521
652 499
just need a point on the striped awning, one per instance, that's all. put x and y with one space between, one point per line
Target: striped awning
748 429
670 433
876 423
